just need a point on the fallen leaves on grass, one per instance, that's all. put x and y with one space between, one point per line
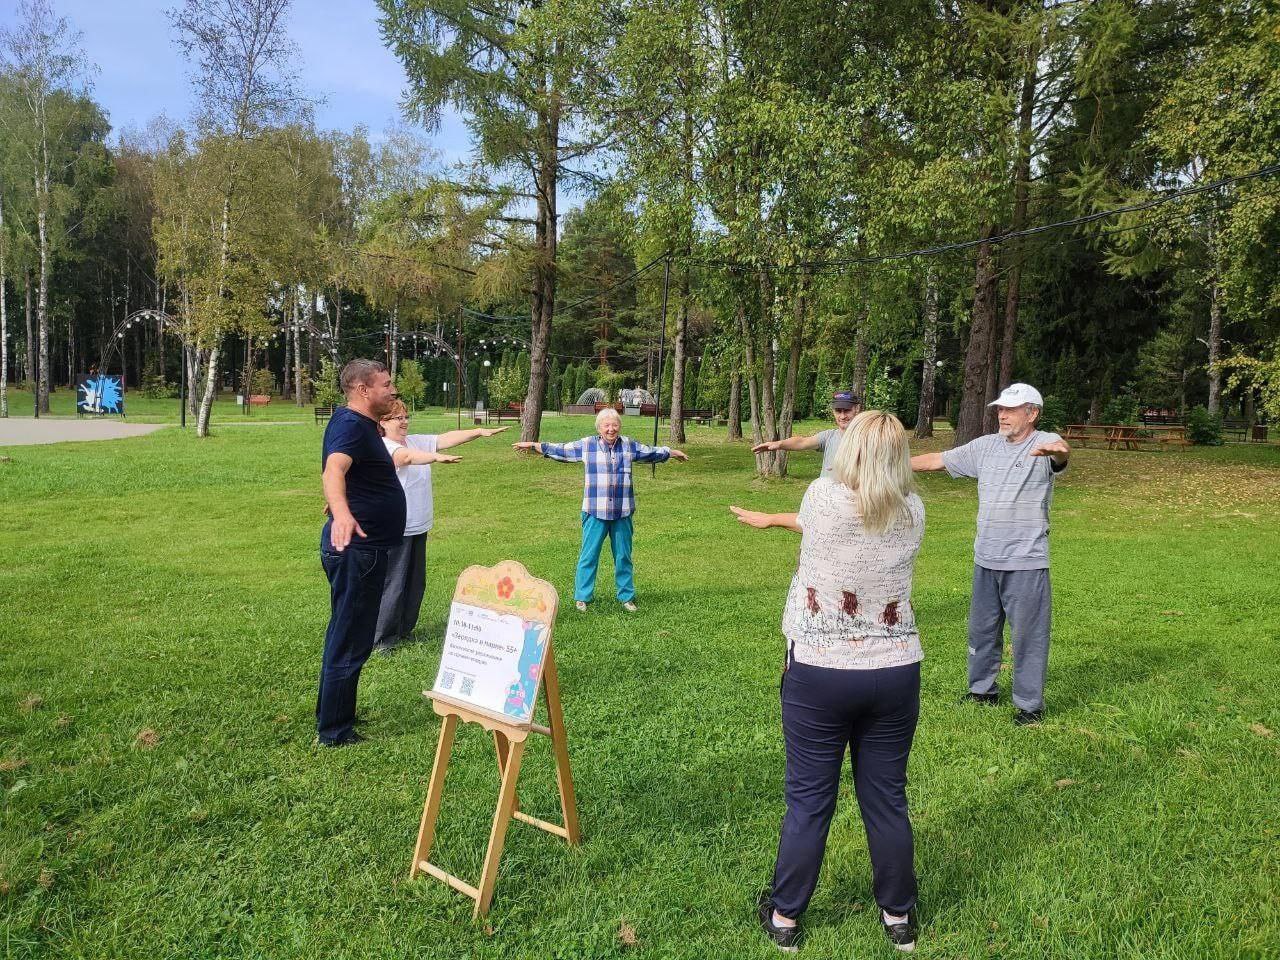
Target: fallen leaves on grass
146 739
63 721
45 878
1262 730
4 887
30 703
1063 783
627 934
13 763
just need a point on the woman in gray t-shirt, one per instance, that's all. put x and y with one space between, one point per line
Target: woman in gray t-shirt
852 677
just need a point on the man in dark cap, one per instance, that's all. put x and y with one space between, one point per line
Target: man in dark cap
845 405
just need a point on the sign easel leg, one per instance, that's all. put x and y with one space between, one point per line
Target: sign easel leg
503 747
560 747
498 835
431 809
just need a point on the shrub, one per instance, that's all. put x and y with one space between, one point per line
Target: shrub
155 388
262 382
409 383
1203 429
324 385
1053 416
1121 409
507 385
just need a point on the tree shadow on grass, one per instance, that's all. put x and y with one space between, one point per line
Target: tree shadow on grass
1103 678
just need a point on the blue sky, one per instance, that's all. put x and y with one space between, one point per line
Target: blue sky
141 73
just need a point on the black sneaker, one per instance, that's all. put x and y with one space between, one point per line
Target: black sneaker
351 739
784 938
1025 718
986 699
901 935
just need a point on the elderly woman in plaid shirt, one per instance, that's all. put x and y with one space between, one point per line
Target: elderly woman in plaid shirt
608 500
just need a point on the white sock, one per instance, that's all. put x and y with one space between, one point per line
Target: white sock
890 919
780 921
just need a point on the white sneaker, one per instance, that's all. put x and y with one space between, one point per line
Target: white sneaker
582 606
630 606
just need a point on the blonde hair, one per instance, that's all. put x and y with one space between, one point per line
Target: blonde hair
397 409
608 413
874 461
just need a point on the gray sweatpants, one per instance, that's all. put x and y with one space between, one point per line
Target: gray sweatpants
1023 598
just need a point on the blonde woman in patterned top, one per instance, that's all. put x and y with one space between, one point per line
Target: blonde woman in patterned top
852 675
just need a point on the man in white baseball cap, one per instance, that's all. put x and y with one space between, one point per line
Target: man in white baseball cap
1015 470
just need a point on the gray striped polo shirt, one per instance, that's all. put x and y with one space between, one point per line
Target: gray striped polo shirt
1015 491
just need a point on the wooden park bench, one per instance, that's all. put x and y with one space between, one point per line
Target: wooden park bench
1125 436
259 399
323 414
695 415
512 411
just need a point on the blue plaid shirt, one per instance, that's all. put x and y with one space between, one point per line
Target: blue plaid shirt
608 494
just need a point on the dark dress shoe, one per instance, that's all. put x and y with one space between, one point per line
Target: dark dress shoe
1025 718
784 938
901 935
986 699
350 739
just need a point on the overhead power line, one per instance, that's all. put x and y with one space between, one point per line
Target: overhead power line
814 265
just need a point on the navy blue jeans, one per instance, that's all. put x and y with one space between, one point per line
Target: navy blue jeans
874 714
355 591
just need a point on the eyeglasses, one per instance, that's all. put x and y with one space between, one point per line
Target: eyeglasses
401 417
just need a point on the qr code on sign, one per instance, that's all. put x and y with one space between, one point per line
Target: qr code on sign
467 684
446 680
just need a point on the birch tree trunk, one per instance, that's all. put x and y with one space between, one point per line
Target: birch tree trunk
297 355
211 380
42 298
929 366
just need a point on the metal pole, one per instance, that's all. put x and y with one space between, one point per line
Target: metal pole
182 388
457 363
662 346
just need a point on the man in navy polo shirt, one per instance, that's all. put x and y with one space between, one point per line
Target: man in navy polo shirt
366 508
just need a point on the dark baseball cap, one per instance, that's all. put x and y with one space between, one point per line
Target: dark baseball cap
845 400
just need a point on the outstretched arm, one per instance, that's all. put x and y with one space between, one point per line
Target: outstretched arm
1057 451
564 452
456 438
927 461
790 443
763 521
407 456
646 454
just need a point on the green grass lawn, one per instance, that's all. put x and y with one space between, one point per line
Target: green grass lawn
161 618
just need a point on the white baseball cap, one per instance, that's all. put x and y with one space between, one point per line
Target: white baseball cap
1016 394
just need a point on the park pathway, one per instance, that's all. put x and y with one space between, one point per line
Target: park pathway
22 431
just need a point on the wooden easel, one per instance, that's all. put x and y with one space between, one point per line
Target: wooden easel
505 588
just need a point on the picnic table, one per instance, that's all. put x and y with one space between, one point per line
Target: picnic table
1126 436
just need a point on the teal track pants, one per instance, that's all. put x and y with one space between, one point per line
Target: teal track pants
594 531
